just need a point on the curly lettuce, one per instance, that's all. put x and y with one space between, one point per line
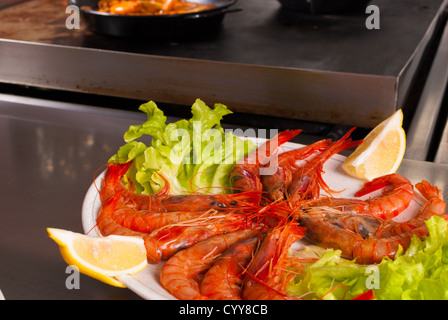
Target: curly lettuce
192 155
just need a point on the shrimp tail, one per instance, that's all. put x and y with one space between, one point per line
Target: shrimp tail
429 191
270 148
435 204
287 135
115 172
111 182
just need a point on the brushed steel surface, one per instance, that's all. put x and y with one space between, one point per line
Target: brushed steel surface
48 161
332 97
321 68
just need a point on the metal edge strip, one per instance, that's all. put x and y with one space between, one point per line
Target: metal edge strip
421 130
324 96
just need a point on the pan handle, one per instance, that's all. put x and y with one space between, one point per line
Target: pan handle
212 13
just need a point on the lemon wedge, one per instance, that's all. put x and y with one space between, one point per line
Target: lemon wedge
381 152
102 258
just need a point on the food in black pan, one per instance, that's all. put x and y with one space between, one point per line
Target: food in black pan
151 7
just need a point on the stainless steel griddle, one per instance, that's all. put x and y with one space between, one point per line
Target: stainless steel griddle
324 68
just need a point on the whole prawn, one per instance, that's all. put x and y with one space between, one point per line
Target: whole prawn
146 213
267 275
164 201
179 274
366 238
396 196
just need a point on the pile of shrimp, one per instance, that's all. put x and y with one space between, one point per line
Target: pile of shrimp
236 246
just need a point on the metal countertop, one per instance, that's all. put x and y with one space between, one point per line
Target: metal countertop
261 34
320 68
50 152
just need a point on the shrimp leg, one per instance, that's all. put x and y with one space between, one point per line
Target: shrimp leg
396 196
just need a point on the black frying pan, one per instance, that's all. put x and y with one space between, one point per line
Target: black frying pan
151 26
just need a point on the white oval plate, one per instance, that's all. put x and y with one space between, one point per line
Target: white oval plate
146 283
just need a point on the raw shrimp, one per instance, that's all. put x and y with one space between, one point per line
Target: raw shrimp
367 238
275 185
224 279
147 222
307 179
165 234
165 241
396 196
178 275
163 201
245 176
267 275
435 205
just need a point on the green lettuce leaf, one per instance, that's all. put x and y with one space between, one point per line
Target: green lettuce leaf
192 155
419 273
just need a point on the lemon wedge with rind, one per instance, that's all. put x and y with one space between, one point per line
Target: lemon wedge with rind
381 152
102 258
